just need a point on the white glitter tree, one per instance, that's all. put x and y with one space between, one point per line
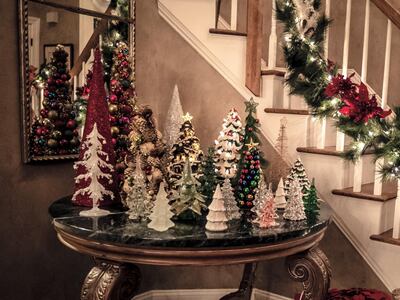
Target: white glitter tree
232 210
161 215
294 210
174 119
280 196
228 145
266 212
216 218
95 162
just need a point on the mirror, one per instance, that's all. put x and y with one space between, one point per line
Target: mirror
57 39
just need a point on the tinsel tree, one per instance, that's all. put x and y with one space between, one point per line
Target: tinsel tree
216 217
297 171
280 195
187 202
228 145
121 104
311 205
145 144
160 217
250 176
208 180
265 210
55 131
174 119
95 176
294 210
232 210
137 199
186 147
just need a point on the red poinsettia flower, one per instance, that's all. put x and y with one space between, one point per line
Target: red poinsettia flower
361 108
341 86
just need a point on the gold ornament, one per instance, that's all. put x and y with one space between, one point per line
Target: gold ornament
114 131
112 108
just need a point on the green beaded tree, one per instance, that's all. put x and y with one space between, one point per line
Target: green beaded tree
311 205
208 181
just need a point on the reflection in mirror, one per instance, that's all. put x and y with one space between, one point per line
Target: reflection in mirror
59 37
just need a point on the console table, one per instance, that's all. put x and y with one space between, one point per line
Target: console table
118 244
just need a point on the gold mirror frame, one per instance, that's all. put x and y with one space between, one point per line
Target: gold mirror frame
24 69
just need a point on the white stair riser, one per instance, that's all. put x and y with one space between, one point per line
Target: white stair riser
272 91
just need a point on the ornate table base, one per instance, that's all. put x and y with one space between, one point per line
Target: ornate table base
246 285
108 281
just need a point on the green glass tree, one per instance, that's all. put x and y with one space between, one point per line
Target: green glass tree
311 205
208 181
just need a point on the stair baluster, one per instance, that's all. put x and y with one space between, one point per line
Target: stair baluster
234 10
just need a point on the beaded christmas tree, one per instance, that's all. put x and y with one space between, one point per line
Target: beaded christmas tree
294 210
174 119
208 181
228 145
216 218
161 214
265 210
187 146
298 171
232 210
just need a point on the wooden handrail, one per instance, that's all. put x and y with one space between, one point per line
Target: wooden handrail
390 9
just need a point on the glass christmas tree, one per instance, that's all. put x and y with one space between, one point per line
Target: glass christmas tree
187 202
261 193
265 210
298 171
121 104
216 218
294 210
232 210
280 195
174 119
282 148
208 181
161 214
228 145
187 146
311 205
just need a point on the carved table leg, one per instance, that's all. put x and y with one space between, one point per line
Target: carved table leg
313 270
246 285
107 281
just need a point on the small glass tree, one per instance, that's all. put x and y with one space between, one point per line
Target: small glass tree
216 218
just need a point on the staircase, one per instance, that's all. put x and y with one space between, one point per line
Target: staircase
363 206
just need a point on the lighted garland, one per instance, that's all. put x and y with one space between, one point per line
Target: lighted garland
329 94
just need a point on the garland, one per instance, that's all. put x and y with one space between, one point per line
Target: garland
329 94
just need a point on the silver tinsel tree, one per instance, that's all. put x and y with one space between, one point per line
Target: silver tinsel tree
232 210
294 210
174 119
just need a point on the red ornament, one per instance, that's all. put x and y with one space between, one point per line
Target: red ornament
71 124
113 98
250 129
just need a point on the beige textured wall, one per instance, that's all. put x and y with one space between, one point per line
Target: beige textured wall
34 264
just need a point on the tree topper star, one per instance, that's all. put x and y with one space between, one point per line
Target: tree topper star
187 117
251 144
251 106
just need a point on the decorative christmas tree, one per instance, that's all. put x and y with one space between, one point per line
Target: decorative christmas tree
55 132
95 177
161 215
187 146
260 196
146 144
294 210
228 144
311 205
280 195
121 104
266 212
137 198
250 176
232 210
208 181
298 171
282 148
216 218
187 202
174 119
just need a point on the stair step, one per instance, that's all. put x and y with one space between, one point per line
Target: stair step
227 32
287 111
330 150
276 72
367 192
386 237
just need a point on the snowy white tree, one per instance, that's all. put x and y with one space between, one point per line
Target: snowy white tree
280 198
95 162
294 210
228 145
232 210
298 171
161 214
216 218
174 119
137 199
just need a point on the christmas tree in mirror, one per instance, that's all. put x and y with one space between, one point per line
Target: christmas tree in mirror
216 218
280 196
160 217
174 119
208 181
186 147
232 210
228 145
294 210
299 172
